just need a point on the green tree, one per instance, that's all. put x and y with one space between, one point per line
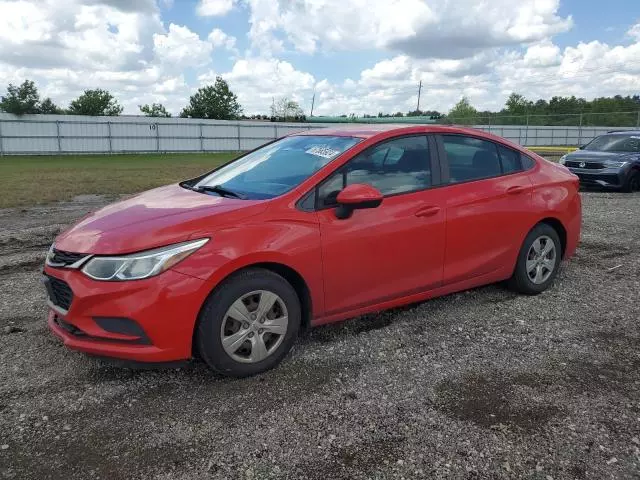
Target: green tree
96 103
287 109
154 110
463 112
215 101
518 105
47 106
22 99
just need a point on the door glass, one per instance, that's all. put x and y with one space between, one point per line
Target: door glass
470 158
397 166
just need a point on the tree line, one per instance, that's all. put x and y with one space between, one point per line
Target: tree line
218 102
215 101
616 111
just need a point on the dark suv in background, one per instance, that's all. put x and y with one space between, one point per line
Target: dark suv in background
610 161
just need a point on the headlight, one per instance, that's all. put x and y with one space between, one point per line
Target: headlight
562 159
140 265
614 163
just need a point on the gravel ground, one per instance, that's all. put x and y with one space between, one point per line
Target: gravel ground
481 384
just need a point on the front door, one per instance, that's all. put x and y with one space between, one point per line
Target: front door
391 251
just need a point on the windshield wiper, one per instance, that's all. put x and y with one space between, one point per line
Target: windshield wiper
223 192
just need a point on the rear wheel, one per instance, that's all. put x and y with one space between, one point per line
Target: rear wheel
633 182
249 323
538 261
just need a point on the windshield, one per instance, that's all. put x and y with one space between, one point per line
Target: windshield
278 167
615 143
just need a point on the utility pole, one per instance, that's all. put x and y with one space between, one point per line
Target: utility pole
313 101
419 92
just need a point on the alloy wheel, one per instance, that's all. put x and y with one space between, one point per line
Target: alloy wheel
254 326
541 259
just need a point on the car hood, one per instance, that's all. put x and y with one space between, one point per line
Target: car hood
587 156
155 218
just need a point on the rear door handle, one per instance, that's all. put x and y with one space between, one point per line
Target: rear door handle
427 211
516 190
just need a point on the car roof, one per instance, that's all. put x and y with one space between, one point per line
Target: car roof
373 130
387 130
623 132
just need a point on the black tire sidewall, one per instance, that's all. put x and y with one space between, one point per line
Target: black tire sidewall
208 337
520 278
633 176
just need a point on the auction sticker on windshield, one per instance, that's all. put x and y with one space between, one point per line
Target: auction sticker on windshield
322 151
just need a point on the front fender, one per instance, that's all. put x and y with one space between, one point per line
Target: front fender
235 248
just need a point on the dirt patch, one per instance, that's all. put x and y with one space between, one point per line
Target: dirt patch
367 459
490 401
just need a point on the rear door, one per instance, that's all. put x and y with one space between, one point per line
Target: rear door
488 206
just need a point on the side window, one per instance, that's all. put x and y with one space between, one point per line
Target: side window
471 158
329 190
527 162
510 159
398 166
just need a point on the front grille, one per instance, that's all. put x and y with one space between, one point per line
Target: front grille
609 179
65 258
59 291
587 165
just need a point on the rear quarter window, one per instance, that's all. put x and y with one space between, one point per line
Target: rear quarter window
527 161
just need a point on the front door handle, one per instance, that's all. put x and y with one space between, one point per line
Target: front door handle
427 211
516 190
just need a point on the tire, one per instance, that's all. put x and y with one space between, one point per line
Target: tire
237 357
521 281
633 182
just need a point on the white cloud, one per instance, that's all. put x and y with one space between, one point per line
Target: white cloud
419 28
543 54
218 38
67 47
634 32
257 81
480 49
212 8
182 47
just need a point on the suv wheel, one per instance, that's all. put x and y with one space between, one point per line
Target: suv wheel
633 182
249 323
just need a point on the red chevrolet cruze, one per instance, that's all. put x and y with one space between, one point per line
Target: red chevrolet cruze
312 228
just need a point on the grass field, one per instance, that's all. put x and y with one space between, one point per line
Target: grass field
32 180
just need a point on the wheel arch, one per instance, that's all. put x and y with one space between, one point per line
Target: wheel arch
291 275
560 229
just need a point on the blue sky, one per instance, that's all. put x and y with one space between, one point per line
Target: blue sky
358 56
593 20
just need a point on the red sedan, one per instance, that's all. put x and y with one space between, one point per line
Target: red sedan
312 228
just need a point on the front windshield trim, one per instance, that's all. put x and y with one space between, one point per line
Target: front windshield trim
270 181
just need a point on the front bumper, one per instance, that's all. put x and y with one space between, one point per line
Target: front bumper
149 321
606 177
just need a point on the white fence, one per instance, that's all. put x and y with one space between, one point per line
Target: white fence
69 134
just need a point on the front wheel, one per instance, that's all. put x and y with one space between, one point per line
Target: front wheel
249 323
633 182
538 261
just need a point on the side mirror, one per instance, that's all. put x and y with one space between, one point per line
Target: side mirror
581 147
355 197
